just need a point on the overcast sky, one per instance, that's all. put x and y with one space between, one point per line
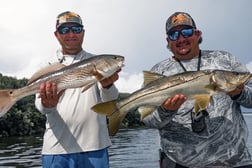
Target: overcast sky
132 28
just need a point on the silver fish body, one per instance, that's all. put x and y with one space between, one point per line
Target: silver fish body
200 86
83 74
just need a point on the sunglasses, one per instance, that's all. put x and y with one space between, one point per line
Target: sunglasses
187 32
74 29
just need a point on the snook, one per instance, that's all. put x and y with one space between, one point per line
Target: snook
200 86
84 74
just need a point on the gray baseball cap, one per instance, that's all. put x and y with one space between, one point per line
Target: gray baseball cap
177 19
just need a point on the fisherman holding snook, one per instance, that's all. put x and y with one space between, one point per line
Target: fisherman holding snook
215 136
74 136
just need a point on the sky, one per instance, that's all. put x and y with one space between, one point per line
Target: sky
134 29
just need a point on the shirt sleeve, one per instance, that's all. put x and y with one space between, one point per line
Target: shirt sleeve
245 98
159 118
108 94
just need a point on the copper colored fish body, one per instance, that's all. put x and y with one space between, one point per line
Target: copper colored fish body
82 74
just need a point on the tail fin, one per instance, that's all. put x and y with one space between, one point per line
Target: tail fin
115 121
6 101
106 108
114 114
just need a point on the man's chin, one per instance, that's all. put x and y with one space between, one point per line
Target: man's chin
183 52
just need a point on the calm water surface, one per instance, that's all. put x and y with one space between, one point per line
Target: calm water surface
132 148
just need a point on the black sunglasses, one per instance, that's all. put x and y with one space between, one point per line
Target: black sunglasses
187 32
66 29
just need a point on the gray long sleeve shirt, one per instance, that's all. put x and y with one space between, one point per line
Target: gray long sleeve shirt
223 141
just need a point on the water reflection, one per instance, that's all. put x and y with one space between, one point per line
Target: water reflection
135 149
131 148
20 152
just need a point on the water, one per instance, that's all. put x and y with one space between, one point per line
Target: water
20 152
132 148
135 148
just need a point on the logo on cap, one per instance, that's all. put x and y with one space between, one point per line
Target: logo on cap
68 17
179 18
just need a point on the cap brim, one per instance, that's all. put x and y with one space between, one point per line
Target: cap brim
68 23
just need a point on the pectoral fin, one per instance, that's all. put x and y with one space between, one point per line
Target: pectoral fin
98 75
86 87
201 102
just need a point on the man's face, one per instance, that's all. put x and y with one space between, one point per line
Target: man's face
183 41
70 37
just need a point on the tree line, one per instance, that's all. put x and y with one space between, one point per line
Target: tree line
23 119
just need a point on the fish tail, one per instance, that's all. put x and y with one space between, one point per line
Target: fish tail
114 114
106 108
6 101
114 122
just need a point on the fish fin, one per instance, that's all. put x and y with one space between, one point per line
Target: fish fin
106 108
145 111
6 101
86 87
150 77
115 117
114 122
201 102
98 75
48 69
211 87
91 69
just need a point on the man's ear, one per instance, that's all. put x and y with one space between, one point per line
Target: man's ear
167 39
198 33
55 33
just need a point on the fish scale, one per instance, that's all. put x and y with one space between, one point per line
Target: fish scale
197 85
83 74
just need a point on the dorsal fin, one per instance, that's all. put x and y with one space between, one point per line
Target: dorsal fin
150 77
48 69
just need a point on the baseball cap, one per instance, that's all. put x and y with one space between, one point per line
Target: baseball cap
177 19
68 17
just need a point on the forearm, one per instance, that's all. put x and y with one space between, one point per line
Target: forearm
159 118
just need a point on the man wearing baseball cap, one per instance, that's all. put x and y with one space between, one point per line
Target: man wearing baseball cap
75 136
217 135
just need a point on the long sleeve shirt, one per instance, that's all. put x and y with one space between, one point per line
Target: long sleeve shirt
223 142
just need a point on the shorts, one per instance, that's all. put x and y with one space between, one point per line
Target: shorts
91 159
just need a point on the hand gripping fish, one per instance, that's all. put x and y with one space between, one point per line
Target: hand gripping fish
83 74
197 85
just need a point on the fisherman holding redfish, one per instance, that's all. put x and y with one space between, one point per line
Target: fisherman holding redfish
75 136
215 136
65 91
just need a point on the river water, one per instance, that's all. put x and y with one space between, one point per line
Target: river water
132 148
